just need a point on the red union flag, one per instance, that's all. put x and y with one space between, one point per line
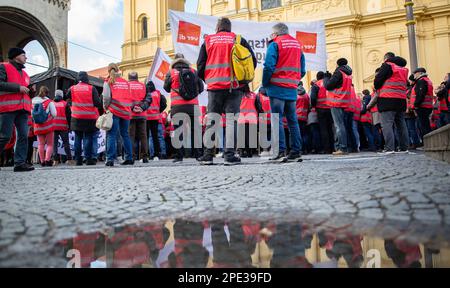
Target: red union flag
308 41
162 70
189 33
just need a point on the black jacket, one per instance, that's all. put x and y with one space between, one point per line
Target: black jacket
314 95
336 81
203 57
6 86
443 91
388 104
366 100
421 89
180 64
85 125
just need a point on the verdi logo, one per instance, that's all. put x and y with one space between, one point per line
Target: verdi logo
162 70
189 33
308 41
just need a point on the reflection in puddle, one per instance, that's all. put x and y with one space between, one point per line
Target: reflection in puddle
244 244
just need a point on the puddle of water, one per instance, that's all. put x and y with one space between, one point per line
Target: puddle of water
245 244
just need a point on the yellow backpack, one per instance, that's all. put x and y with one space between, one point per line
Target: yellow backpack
242 70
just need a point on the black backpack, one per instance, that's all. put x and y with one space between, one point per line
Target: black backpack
188 84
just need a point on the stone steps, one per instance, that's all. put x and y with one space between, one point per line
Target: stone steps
437 144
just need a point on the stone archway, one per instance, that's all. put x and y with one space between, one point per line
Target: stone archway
20 27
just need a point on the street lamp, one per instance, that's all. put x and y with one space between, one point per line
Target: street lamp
411 23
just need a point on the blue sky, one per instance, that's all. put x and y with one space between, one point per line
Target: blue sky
96 24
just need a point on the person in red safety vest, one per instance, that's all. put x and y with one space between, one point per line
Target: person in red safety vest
422 101
248 124
303 109
443 94
61 124
265 118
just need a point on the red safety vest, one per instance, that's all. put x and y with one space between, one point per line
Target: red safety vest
428 101
218 64
302 107
395 87
265 103
153 113
175 98
121 101
248 114
47 126
341 98
137 94
10 102
30 126
352 107
322 98
375 108
367 118
443 103
82 105
85 244
60 121
357 108
287 73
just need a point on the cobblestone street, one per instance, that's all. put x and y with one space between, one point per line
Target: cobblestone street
381 194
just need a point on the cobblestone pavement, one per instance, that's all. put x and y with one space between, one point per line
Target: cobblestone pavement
382 194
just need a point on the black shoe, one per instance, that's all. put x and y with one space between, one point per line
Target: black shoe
110 164
281 157
127 163
177 160
294 157
206 160
24 168
145 160
232 161
91 162
49 163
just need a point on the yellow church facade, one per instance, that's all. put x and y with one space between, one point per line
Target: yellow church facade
361 31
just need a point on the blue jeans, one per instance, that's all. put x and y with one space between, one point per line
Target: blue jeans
411 123
119 126
86 139
287 109
341 133
162 142
348 122
369 133
356 135
94 144
7 122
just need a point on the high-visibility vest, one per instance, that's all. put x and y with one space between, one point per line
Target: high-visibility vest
323 101
10 102
265 103
248 114
82 104
153 113
357 108
175 98
395 87
428 101
121 101
47 126
367 118
375 108
287 72
60 121
302 107
341 98
30 126
352 107
443 103
218 65
137 93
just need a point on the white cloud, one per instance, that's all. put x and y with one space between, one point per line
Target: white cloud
87 18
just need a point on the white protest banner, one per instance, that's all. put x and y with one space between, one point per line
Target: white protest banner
159 70
189 31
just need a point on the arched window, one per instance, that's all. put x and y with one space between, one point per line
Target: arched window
144 27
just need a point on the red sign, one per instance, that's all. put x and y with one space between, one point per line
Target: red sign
308 41
189 33
163 70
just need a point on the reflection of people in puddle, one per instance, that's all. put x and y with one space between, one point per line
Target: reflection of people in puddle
289 243
189 250
133 247
403 255
233 243
92 249
346 246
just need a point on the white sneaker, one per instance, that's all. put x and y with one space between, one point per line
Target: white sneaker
386 153
265 154
403 152
220 155
155 159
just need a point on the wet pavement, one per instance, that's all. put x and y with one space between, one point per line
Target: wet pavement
362 210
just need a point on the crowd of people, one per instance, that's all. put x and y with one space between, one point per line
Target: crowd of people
330 118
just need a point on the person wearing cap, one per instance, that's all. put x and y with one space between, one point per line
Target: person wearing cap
392 83
421 101
117 100
85 103
61 127
15 106
339 86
